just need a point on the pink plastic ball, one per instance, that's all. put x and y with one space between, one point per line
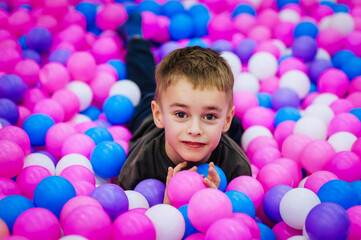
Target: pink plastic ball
345 165
260 142
53 76
69 102
32 96
83 126
162 26
19 21
284 32
274 174
4 229
220 26
50 107
28 71
48 22
133 225
207 206
333 81
250 223
56 136
107 68
81 66
264 156
29 178
244 23
74 17
341 106
249 186
356 147
11 159
354 214
292 167
228 228
78 143
258 116
17 135
260 33
355 98
315 155
72 36
270 47
120 132
111 16
104 49
315 181
269 85
89 221
283 130
9 58
8 187
269 18
293 145
56 8
244 100
345 122
149 24
308 100
352 42
24 113
355 85
330 39
101 85
83 188
77 173
283 232
321 11
37 223
291 63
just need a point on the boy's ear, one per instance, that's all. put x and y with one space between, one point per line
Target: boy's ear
229 117
157 114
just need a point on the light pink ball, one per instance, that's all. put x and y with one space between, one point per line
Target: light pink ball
292 167
16 135
345 122
249 222
8 187
50 107
283 130
111 16
101 85
341 106
69 102
104 49
56 136
356 147
269 85
355 98
83 188
53 76
73 36
120 132
270 47
264 156
315 181
29 178
11 159
32 96
249 186
24 113
48 22
260 142
258 116
345 165
308 100
293 145
28 71
333 81
243 100
78 143
330 39
315 155
243 23
274 174
81 66
107 68
83 126
228 228
260 34
291 63
268 18
77 173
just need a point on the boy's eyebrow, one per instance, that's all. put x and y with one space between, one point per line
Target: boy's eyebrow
211 107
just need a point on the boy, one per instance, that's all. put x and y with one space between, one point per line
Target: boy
183 125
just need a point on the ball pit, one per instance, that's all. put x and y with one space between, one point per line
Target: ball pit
65 102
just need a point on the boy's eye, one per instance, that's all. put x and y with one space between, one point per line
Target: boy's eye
210 117
181 115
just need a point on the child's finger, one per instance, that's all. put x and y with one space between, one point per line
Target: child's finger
179 167
194 168
209 183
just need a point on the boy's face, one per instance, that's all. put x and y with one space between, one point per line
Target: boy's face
193 121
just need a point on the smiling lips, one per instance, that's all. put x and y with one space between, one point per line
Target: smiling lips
193 144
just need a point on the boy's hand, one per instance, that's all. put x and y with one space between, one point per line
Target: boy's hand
171 173
212 180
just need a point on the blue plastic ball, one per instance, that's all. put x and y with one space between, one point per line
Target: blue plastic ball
241 203
282 3
59 56
39 39
181 27
12 87
11 207
22 42
352 68
340 57
356 186
120 67
197 42
150 6
200 26
107 158
304 48
285 114
172 8
271 202
32 54
9 111
203 170
89 10
305 28
92 112
339 192
266 232
313 87
244 8
356 112
118 109
189 227
36 126
52 193
99 134
264 99
198 10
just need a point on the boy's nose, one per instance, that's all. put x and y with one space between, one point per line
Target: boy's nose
194 128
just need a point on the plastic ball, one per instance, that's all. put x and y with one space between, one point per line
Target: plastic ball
9 110
345 122
315 155
265 61
118 109
136 200
32 55
189 229
295 206
83 92
120 132
354 214
285 97
4 230
203 170
37 223
313 127
253 132
51 108
90 222
325 98
345 165
264 99
291 63
167 220
305 28
264 156
10 56
180 27
39 39
133 225
112 198
77 173
88 9
107 158
40 159
271 201
222 45
72 159
274 174
12 87
340 57
320 111
152 190
330 39
60 56
68 100
8 187
245 49
317 67
304 48
233 61
56 136
317 179
53 76
101 85
266 232
333 81
81 66
342 141
11 159
17 135
78 143
99 134
220 25
29 178
111 16
228 228
207 206
128 89
36 126
241 203
336 224
260 142
296 80
286 114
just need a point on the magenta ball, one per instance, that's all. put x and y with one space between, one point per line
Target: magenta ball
207 206
29 178
354 213
293 145
250 223
283 130
341 106
220 25
183 186
292 167
69 101
78 143
37 223
330 39
291 63
8 187
265 155
10 57
345 165
315 181
28 71
77 173
56 136
274 174
356 147
51 108
81 66
111 16
32 96
355 85
120 132
104 49
243 100
258 116
228 228
133 225
260 142
333 81
345 122
53 76
17 135
11 159
283 232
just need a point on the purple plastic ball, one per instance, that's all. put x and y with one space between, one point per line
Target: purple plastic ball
305 48
12 87
285 97
9 111
152 190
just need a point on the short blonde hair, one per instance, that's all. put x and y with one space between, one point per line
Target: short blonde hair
202 67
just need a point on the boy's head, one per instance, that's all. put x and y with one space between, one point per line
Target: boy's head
203 68
193 102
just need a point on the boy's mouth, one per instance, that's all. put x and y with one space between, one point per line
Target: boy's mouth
193 144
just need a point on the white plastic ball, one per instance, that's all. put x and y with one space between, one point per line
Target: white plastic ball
342 141
253 132
312 127
126 88
322 54
83 92
325 23
79 118
100 181
342 22
72 159
301 184
289 15
320 111
233 61
73 237
39 159
325 98
296 80
263 65
246 82
136 200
